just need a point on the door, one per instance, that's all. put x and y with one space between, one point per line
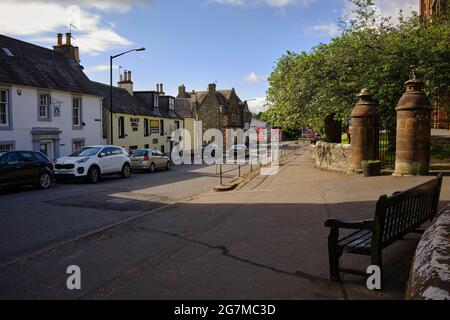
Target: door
9 169
30 166
106 162
117 159
46 148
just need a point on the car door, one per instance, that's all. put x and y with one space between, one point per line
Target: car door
13 169
5 169
161 159
117 159
106 161
30 167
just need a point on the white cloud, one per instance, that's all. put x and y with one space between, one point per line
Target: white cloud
325 29
257 105
99 68
92 35
271 3
254 78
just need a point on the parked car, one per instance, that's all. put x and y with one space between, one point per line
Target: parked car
93 162
25 168
210 149
149 159
238 150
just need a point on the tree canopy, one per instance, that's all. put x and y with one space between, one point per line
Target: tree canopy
372 52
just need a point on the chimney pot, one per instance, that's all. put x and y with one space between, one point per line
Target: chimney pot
161 88
129 75
59 37
121 78
212 88
68 38
125 75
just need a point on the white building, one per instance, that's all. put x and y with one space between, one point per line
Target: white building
47 103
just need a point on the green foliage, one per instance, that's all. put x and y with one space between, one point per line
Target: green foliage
370 162
373 53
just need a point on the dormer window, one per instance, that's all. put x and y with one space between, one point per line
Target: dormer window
172 104
156 100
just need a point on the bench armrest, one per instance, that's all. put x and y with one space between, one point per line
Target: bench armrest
359 225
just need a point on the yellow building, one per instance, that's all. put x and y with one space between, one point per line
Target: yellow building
141 119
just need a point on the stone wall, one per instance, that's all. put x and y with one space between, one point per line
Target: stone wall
331 156
430 273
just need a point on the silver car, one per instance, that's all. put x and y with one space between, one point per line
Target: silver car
149 159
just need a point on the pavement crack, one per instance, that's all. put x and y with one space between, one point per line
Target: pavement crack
226 252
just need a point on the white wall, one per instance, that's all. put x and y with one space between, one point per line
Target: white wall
24 108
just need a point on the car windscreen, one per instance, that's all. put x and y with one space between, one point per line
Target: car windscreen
139 153
86 152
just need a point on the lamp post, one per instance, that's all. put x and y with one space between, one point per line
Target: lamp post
111 58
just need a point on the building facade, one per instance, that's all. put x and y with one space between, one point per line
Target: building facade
141 119
47 103
217 109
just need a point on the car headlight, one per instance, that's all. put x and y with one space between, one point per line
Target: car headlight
83 160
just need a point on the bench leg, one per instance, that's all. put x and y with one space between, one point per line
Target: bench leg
334 255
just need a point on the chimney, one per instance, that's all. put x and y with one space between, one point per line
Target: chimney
161 89
59 39
68 39
126 83
181 91
67 49
157 87
212 88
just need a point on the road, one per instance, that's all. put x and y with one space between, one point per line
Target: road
32 219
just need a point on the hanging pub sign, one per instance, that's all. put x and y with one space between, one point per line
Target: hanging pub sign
154 126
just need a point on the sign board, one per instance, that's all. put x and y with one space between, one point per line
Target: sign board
154 126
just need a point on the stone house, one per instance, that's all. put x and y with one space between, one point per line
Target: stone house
218 109
47 103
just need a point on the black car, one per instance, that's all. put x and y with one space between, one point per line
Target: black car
25 168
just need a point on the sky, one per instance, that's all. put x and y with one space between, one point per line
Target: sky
234 43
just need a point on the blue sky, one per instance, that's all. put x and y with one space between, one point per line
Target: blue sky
193 42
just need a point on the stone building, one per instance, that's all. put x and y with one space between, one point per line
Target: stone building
218 109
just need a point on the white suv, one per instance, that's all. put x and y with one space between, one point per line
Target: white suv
93 162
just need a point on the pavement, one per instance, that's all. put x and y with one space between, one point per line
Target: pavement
266 240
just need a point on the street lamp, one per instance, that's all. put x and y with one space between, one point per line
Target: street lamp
111 58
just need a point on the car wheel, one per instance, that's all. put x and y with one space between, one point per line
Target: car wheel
45 180
168 165
126 171
93 175
152 168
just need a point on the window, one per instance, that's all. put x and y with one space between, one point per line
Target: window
162 151
77 144
4 108
161 127
44 106
76 112
147 146
177 125
27 156
146 128
8 52
116 151
156 100
43 148
12 157
172 104
4 147
121 127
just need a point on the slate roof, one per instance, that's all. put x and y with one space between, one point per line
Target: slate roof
183 106
123 102
40 67
223 96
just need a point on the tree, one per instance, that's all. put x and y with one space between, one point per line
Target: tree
372 52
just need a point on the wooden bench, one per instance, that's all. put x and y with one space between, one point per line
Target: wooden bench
395 216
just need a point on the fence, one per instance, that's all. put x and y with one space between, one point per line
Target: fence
228 172
387 148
